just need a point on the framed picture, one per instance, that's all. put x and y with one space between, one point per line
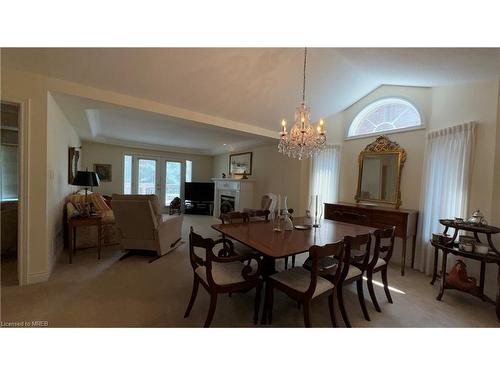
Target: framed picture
73 159
240 163
103 171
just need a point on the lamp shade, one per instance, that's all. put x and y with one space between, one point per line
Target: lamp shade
85 178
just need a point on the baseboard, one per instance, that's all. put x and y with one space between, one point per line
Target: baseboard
38 277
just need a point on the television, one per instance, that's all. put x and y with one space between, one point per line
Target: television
199 191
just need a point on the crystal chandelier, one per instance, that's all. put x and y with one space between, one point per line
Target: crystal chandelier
304 139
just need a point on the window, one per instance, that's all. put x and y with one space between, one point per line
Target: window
383 116
189 171
446 183
172 180
325 174
127 174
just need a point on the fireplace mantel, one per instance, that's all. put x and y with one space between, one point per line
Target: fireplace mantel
241 190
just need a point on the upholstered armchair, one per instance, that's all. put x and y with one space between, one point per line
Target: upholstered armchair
142 227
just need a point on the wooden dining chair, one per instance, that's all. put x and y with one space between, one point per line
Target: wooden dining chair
222 274
303 285
237 217
355 266
382 252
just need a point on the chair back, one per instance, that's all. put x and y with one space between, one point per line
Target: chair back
317 253
235 217
384 244
358 248
266 201
135 219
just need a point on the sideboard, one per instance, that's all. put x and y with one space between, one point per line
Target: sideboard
404 220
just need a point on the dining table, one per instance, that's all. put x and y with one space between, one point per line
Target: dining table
261 237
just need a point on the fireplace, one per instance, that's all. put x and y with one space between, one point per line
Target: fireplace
227 204
232 195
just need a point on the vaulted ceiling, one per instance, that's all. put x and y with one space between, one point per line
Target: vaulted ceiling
256 86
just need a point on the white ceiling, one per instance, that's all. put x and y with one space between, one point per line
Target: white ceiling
103 122
256 86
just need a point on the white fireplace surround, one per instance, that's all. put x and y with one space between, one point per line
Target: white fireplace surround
241 190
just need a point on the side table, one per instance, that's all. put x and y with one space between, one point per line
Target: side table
452 247
81 221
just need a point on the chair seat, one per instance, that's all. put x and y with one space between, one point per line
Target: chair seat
380 262
223 273
353 272
299 279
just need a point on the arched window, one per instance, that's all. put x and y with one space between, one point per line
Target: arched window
384 116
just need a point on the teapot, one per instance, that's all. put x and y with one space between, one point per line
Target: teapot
477 218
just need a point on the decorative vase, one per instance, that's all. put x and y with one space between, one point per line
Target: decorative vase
277 215
287 220
316 209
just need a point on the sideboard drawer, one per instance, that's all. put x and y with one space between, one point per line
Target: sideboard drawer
346 216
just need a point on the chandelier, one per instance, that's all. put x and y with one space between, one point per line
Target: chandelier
304 139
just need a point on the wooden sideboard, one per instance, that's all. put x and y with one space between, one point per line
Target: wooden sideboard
404 220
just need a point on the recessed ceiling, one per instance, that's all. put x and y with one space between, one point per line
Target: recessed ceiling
107 123
256 86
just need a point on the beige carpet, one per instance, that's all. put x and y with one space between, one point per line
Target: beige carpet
134 293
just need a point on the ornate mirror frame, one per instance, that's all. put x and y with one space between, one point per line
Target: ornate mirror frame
382 146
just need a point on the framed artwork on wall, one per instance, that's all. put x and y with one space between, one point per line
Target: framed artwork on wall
103 171
73 159
240 163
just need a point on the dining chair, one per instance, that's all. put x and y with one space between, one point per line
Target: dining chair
303 286
290 212
233 218
354 267
222 274
382 252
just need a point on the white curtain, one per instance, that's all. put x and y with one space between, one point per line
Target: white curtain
445 186
324 179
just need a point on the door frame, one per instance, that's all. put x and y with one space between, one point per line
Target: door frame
161 177
23 186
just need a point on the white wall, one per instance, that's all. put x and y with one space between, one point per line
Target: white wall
274 173
99 153
452 105
412 141
60 136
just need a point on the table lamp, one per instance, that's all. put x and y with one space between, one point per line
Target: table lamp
86 179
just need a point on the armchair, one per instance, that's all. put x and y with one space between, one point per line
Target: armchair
222 274
142 228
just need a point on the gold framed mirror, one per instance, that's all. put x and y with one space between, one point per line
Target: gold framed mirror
380 167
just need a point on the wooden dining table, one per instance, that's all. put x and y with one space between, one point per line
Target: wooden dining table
260 236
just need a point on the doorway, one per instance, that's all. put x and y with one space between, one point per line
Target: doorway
9 191
155 175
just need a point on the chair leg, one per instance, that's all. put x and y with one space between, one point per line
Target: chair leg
372 291
386 285
332 312
340 299
257 302
307 314
211 310
268 307
196 283
361 297
293 260
286 263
